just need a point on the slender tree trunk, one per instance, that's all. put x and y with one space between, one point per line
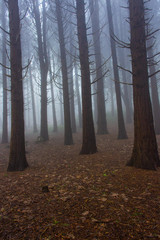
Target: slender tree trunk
122 32
55 128
89 140
145 153
112 99
154 89
78 96
71 84
102 121
5 114
43 60
33 104
17 158
68 140
61 108
121 126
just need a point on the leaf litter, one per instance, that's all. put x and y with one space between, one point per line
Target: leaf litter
63 195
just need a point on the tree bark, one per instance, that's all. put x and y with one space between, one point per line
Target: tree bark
121 125
145 153
89 140
17 158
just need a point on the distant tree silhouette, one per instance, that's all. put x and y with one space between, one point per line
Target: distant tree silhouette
68 140
154 87
4 72
43 61
101 111
121 125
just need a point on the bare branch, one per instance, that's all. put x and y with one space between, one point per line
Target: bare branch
154 74
125 69
96 80
5 66
122 82
4 30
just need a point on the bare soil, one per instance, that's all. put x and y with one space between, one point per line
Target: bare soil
64 195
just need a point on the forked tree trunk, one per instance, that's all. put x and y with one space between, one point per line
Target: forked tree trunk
89 141
101 111
145 153
68 140
17 158
121 125
5 117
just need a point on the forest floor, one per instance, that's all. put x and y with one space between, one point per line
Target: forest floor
91 197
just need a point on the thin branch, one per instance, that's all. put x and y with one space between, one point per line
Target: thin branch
154 74
122 82
5 66
125 69
96 80
29 62
4 30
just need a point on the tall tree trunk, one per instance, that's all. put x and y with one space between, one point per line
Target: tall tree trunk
68 140
33 103
154 89
17 158
102 121
112 99
78 96
89 140
5 117
61 108
121 126
120 28
71 88
55 128
145 153
43 60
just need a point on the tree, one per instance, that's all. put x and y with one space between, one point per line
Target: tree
68 140
145 153
154 87
55 127
5 117
122 31
89 140
121 126
71 83
33 102
78 95
17 158
101 112
43 61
